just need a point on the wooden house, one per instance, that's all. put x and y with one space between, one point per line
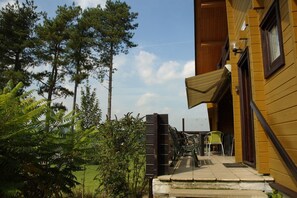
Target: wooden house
255 103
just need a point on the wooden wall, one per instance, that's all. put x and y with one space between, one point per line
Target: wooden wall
281 97
234 72
275 96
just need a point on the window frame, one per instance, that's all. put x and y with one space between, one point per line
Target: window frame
272 19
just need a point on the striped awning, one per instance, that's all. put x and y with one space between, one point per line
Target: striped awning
207 88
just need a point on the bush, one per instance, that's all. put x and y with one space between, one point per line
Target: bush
121 157
35 162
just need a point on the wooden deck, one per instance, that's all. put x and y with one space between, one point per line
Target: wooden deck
212 174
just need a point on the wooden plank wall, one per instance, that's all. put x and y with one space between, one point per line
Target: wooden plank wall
234 73
235 19
281 98
257 76
242 12
276 96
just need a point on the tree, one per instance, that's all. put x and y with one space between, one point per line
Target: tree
80 48
116 26
53 36
89 112
17 23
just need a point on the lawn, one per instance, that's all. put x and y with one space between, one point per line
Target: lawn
90 183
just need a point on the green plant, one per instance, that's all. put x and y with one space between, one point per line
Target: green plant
121 156
275 194
35 162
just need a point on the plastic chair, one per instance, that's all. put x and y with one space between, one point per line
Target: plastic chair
215 138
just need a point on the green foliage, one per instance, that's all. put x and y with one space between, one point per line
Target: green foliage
35 162
80 46
89 112
53 36
40 147
121 156
18 139
275 194
114 26
17 22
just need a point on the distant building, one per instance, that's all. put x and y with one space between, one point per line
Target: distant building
255 104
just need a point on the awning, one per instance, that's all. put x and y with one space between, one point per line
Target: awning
207 87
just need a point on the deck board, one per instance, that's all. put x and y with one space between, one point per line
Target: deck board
212 169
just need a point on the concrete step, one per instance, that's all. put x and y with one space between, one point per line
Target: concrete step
181 193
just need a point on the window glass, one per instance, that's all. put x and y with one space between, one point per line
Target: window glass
272 40
274 43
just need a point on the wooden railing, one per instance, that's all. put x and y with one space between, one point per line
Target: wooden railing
283 153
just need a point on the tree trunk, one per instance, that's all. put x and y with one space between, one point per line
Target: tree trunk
76 82
110 83
74 104
51 86
110 88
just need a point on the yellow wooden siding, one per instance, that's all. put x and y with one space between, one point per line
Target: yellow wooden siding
275 96
279 170
257 76
283 85
281 94
236 105
289 127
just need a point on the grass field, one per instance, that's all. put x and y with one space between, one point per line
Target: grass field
90 183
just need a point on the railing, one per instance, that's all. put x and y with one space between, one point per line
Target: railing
283 153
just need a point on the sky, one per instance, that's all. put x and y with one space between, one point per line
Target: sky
151 77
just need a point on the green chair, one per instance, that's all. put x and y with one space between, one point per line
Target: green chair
214 138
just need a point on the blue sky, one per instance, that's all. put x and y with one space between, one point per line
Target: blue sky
150 79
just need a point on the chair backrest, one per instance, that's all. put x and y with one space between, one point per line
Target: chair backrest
215 137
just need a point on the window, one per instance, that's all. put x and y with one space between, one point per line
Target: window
272 41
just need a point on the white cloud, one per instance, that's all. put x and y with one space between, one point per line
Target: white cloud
120 60
146 99
189 69
144 63
168 71
90 3
152 72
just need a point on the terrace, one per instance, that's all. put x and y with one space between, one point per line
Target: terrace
211 179
215 175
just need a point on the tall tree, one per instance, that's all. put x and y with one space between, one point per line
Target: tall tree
53 36
80 47
90 113
17 23
116 26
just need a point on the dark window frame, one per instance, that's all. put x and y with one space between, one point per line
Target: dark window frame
272 19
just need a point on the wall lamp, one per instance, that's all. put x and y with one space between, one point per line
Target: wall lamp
236 49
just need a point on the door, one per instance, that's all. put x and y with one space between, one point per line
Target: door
247 128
